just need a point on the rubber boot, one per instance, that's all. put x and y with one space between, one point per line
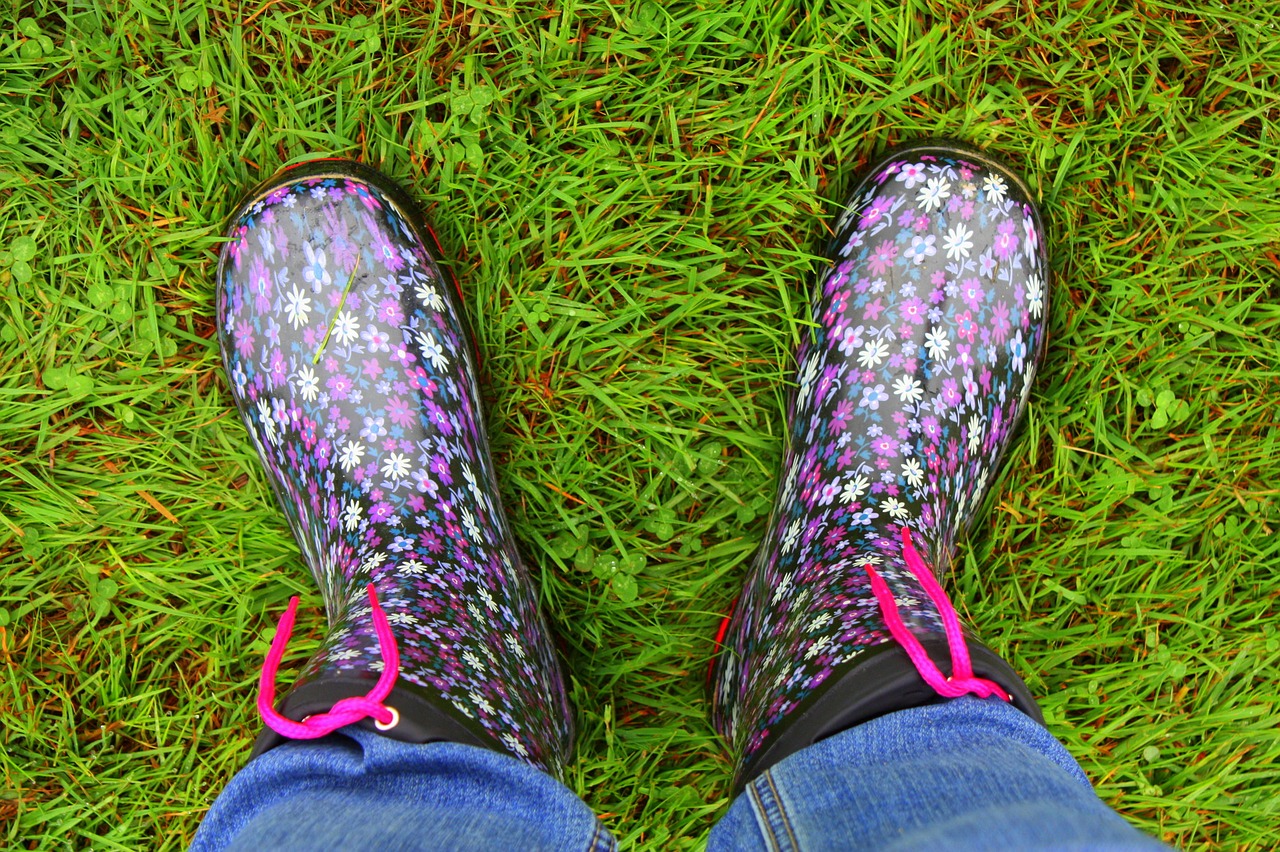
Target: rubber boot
929 326
352 368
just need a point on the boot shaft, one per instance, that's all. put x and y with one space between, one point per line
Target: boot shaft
353 371
928 325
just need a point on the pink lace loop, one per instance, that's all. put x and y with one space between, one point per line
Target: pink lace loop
962 680
345 712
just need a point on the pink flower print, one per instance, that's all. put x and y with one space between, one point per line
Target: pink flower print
381 512
390 312
913 311
371 367
875 211
359 190
339 387
398 411
885 446
383 251
838 306
1000 324
873 310
846 458
237 245
277 370
1005 241
1031 239
840 417
966 328
971 291
964 355
950 395
261 284
837 278
244 339
826 383
882 257
970 390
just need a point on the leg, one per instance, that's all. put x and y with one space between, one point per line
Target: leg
963 774
929 327
360 790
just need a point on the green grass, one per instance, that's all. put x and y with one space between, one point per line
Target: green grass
632 194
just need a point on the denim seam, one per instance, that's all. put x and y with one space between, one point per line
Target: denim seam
596 836
771 815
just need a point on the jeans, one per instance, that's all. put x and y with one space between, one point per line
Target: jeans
964 774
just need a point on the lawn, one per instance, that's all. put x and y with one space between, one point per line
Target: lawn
631 194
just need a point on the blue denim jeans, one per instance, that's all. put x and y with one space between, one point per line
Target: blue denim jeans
965 774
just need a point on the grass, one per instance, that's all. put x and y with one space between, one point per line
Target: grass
632 193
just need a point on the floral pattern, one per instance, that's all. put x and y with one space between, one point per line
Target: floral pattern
929 325
352 370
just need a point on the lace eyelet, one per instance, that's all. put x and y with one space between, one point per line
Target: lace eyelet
395 720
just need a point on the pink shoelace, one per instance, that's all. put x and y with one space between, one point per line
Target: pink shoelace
962 680
348 711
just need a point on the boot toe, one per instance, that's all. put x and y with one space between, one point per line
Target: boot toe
935 307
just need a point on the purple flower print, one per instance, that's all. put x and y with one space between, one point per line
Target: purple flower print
921 248
1017 351
872 397
1005 241
387 255
316 270
911 174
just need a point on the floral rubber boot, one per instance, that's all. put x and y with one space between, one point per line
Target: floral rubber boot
929 326
352 368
